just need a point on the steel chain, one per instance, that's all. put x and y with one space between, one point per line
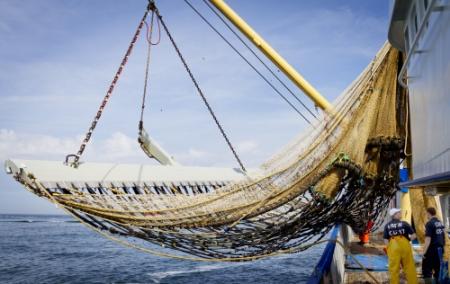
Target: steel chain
76 157
200 92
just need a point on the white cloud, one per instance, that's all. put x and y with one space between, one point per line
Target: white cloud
17 145
197 154
195 157
248 146
120 145
115 148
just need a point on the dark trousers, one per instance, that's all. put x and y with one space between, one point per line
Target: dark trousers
431 263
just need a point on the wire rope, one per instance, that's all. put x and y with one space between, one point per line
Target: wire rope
253 66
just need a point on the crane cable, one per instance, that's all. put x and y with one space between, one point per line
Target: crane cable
199 91
259 59
250 64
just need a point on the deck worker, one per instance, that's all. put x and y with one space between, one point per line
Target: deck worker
434 240
397 236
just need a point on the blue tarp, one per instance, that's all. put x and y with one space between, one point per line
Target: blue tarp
372 262
369 261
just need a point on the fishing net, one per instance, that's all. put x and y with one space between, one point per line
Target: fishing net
344 169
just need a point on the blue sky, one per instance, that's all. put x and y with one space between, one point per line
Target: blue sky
58 58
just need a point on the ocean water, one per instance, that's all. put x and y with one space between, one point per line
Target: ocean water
56 249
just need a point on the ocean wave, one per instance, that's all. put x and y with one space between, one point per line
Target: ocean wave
158 276
38 221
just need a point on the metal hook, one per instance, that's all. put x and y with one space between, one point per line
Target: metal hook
151 5
74 163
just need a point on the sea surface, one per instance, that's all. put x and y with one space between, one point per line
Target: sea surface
57 249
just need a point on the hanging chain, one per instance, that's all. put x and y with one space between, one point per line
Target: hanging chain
76 157
200 92
151 6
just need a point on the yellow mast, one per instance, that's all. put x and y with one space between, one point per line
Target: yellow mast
276 58
405 206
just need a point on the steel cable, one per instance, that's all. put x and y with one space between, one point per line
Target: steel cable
253 67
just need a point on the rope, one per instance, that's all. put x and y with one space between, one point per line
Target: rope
407 127
149 31
253 67
147 65
200 92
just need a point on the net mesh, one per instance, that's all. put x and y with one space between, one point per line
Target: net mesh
342 170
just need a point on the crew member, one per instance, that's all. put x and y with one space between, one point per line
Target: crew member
434 240
397 235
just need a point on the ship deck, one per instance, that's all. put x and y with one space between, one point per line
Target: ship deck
375 260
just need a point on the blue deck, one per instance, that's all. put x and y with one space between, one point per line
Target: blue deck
371 262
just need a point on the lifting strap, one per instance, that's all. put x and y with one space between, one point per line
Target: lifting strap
149 146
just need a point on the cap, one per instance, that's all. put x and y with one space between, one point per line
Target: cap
393 211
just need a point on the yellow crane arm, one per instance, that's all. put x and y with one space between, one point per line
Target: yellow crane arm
276 58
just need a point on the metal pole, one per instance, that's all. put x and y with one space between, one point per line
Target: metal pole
270 53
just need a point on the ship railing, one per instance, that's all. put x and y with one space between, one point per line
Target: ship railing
412 50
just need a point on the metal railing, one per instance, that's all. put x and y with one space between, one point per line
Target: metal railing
412 50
